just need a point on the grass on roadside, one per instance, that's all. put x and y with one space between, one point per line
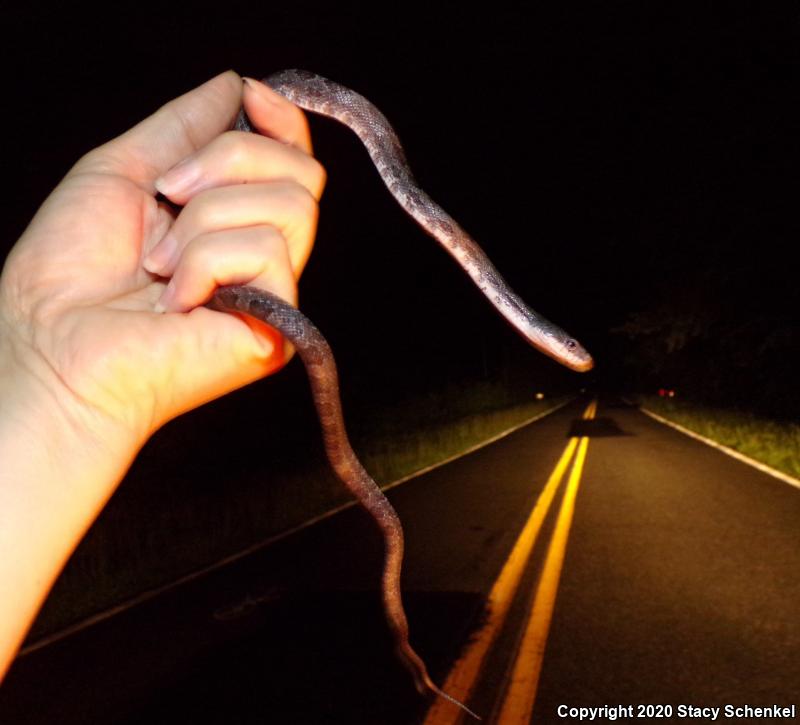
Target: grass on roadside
395 454
178 513
773 442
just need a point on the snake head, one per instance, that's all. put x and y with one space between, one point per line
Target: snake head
574 355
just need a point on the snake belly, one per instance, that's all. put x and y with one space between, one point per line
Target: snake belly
320 95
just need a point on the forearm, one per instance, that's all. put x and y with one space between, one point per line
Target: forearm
56 473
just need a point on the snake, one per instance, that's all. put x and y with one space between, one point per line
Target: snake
322 96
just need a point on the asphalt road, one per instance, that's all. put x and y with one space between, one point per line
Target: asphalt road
680 585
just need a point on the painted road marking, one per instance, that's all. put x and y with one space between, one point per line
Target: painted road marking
520 696
464 673
763 467
149 594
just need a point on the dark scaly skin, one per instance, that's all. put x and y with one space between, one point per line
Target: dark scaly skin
320 366
317 94
320 95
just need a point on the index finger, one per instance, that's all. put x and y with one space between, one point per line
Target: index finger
275 116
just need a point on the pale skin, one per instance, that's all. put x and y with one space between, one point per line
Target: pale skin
103 336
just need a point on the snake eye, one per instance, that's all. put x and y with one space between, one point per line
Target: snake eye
571 344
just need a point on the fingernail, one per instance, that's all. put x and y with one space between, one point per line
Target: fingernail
179 178
274 104
264 92
165 299
160 256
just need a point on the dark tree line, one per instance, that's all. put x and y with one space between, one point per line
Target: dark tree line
727 339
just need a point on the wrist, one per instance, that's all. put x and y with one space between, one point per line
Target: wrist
56 473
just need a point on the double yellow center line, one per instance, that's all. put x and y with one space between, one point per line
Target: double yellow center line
517 704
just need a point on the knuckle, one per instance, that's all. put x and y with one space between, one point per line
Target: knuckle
208 210
203 211
271 241
234 146
200 254
99 160
301 202
319 176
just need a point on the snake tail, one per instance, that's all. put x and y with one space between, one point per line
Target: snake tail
317 357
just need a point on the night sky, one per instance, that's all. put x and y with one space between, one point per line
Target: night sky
623 165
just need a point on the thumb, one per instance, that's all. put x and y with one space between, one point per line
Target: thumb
174 131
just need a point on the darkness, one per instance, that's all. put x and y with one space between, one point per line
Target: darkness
631 170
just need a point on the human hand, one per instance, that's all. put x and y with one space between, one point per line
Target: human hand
96 351
81 291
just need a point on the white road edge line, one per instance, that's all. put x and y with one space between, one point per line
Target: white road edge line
152 593
763 467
